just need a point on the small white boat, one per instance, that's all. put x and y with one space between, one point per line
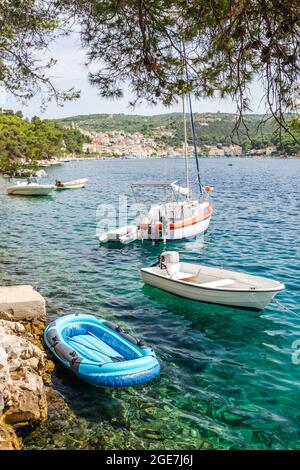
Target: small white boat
209 284
75 184
125 235
30 189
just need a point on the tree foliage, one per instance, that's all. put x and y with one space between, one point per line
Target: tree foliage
23 143
166 48
162 48
27 27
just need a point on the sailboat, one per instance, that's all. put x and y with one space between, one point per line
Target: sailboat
183 217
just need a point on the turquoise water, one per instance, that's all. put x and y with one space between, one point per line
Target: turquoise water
227 377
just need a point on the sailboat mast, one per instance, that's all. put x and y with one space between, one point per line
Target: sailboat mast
192 119
187 181
195 143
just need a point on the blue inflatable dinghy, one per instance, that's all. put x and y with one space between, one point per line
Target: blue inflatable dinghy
100 352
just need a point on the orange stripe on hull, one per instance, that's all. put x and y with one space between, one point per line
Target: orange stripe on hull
184 223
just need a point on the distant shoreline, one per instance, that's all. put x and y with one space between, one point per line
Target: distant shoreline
59 161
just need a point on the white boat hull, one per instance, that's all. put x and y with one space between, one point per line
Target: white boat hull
213 285
30 190
195 221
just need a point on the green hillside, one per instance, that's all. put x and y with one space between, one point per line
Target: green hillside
24 142
211 129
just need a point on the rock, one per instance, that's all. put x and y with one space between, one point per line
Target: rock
1 404
23 362
21 303
8 438
22 365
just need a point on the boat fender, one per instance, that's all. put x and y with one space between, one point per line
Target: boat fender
110 325
65 352
52 337
133 340
76 362
129 338
125 335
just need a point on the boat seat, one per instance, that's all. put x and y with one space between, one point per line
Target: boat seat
181 276
188 277
219 283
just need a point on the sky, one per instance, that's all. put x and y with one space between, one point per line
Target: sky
70 71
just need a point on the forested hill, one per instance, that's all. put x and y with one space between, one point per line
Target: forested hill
211 128
23 143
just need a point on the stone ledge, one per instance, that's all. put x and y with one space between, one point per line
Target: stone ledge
19 303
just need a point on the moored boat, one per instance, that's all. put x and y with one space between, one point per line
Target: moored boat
176 220
209 284
30 189
124 235
75 184
100 352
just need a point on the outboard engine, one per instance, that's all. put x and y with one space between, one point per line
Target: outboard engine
169 260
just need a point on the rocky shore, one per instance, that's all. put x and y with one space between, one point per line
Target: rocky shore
24 366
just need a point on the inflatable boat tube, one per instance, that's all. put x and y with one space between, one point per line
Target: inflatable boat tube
100 352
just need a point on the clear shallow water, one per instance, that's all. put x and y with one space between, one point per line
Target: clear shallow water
227 377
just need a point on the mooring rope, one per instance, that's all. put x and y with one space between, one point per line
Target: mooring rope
285 308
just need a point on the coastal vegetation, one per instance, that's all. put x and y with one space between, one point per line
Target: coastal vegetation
23 143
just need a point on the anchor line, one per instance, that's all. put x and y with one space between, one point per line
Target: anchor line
287 309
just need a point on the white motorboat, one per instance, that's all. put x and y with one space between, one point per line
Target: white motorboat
30 189
75 184
210 284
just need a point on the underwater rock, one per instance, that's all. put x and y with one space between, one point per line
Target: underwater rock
152 434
